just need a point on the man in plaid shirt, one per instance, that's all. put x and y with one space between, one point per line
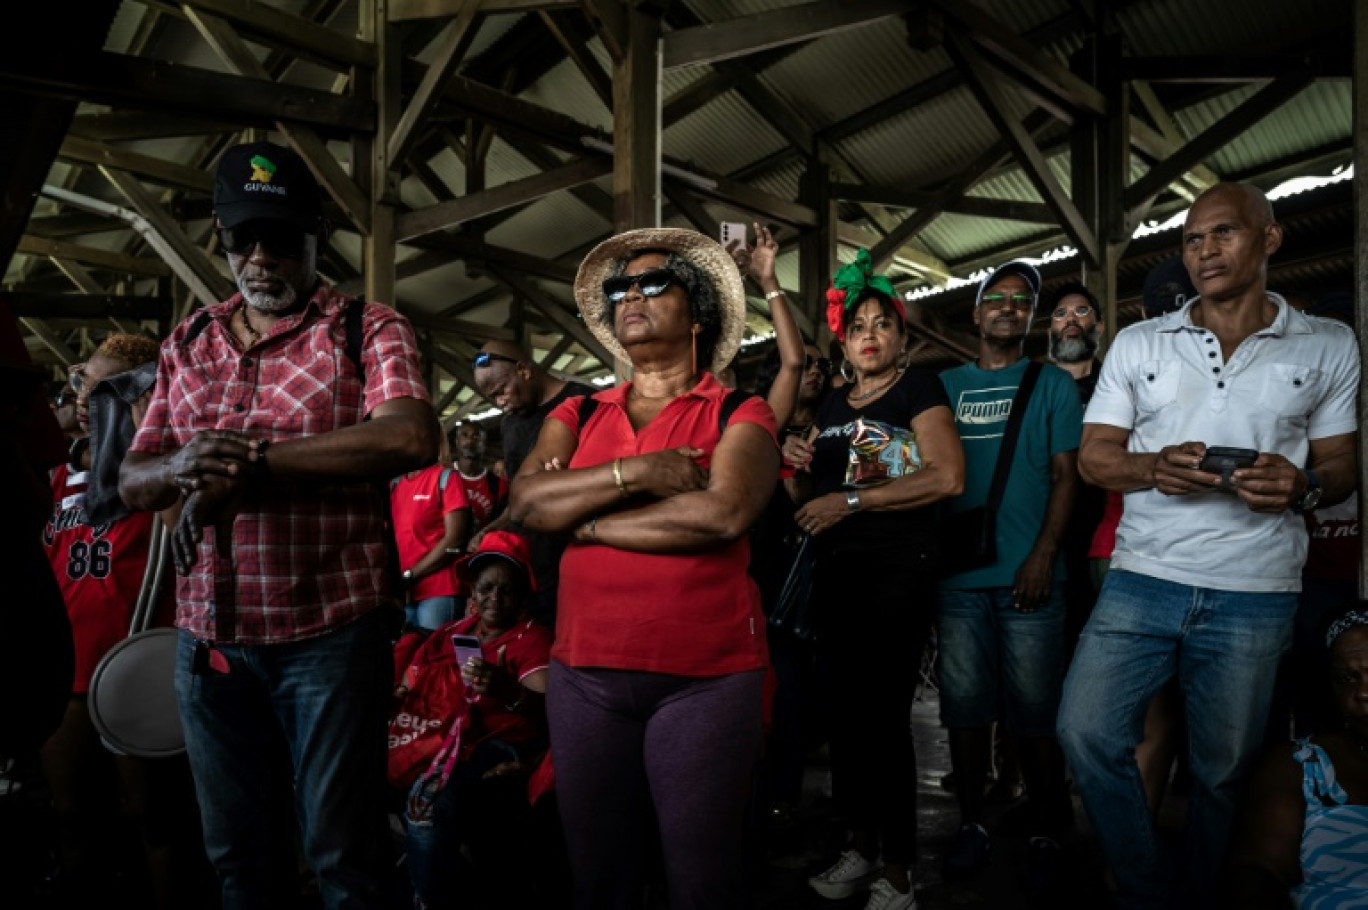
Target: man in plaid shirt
283 556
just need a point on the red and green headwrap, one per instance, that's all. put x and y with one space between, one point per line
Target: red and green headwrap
849 283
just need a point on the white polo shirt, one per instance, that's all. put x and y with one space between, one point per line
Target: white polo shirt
1166 381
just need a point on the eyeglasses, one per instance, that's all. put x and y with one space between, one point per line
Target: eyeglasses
279 237
485 358
651 284
1080 310
822 364
1015 301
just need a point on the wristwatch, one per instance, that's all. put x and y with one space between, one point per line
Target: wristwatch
853 500
1311 496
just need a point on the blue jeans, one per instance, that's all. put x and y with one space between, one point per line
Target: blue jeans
432 612
1225 647
987 648
328 699
488 815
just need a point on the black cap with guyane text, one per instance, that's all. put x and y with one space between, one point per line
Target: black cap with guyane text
265 180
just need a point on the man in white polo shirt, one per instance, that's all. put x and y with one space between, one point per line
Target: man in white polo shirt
1205 574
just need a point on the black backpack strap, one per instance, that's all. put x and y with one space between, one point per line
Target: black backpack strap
1009 435
587 406
356 309
730 402
197 325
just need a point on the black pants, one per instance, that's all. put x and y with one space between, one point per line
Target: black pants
875 605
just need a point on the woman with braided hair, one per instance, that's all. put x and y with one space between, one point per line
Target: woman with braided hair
878 539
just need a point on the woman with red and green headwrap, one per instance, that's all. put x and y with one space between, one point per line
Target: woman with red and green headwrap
882 452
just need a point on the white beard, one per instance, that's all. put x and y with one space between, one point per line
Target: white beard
268 303
1074 350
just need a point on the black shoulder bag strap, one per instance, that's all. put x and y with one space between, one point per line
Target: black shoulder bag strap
1009 435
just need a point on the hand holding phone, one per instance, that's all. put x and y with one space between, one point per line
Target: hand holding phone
467 648
1224 460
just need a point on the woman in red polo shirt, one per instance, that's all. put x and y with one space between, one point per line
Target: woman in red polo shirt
656 676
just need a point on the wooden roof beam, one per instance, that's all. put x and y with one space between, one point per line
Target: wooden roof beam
457 211
746 35
1141 194
455 40
973 206
987 89
304 36
553 310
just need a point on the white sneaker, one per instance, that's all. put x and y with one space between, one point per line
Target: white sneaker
849 875
883 896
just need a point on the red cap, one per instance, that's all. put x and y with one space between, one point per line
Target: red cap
503 545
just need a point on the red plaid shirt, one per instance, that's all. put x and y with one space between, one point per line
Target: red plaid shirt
306 558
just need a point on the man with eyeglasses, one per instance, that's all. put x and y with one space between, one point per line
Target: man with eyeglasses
1000 626
509 377
1075 331
277 419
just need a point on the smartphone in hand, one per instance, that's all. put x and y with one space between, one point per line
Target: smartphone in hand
1223 460
467 646
733 233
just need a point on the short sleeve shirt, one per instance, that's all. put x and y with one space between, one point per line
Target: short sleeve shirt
1053 423
693 614
914 392
306 558
419 506
1166 381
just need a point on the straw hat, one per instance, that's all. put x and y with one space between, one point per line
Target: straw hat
704 252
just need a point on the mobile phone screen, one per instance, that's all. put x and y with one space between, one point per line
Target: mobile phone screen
467 646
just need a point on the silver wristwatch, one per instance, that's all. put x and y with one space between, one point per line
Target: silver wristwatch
853 500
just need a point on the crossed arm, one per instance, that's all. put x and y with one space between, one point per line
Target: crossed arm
671 504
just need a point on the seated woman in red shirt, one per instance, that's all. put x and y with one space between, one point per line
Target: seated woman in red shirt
655 692
476 790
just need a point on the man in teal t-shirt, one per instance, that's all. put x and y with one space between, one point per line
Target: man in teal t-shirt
1000 628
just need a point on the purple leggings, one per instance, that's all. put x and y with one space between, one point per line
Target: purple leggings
626 742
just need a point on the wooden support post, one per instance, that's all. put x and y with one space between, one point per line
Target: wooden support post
636 125
817 247
370 165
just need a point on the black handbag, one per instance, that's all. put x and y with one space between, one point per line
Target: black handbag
969 538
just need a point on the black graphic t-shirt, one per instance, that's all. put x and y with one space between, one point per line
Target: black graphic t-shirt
916 390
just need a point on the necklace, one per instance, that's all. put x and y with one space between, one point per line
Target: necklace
874 391
253 336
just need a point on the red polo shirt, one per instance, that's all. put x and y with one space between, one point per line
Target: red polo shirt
694 614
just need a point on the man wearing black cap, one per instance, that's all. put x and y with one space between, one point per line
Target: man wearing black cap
1001 624
278 415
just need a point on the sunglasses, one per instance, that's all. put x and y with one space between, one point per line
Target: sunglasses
651 284
76 377
822 364
485 358
1081 310
279 237
1016 301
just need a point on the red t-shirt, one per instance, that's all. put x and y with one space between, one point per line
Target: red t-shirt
99 569
1332 553
527 648
694 614
1104 538
419 508
483 504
